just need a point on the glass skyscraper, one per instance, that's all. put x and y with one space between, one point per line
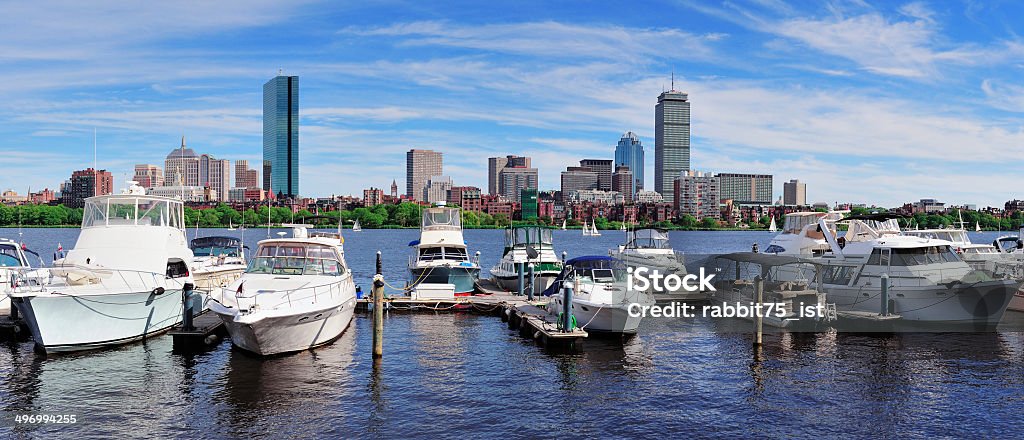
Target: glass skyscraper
630 152
281 136
671 139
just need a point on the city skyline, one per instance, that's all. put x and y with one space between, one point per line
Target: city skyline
807 93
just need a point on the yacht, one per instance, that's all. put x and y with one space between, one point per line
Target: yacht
801 307
929 282
296 294
218 260
802 235
600 300
650 248
16 269
440 255
123 280
527 245
980 256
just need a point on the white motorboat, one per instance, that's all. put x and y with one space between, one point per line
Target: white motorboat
122 282
649 248
527 245
440 255
929 283
600 300
218 261
801 234
297 294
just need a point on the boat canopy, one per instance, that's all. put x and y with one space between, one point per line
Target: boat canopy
649 239
441 218
132 210
593 266
527 235
765 260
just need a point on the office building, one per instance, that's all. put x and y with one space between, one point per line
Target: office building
794 192
623 181
187 193
84 184
746 189
466 197
528 204
496 164
671 139
437 188
512 180
148 175
215 174
244 176
630 152
420 166
181 167
697 194
603 168
575 179
281 136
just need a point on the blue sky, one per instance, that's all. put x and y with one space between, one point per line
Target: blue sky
866 102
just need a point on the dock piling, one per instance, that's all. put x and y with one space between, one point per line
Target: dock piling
759 291
884 311
186 308
529 292
567 324
378 311
519 271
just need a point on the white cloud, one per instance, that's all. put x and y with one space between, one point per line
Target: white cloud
1003 96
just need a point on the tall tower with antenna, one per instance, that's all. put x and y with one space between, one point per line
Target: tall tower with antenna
671 138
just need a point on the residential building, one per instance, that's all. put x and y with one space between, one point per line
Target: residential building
496 164
746 189
244 176
697 194
437 188
148 176
513 179
928 206
603 168
42 197
466 197
247 194
420 166
671 139
373 197
648 197
577 178
794 192
623 181
181 167
84 184
187 193
630 152
281 135
596 196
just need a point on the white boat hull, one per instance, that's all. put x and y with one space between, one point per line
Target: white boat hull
270 335
511 282
601 318
209 280
980 304
69 323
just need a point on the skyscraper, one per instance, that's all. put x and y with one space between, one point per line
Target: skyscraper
697 194
630 152
245 177
671 139
622 181
576 179
181 167
494 167
215 174
281 135
747 189
512 180
420 166
603 168
794 192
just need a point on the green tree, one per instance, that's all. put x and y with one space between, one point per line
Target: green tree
709 223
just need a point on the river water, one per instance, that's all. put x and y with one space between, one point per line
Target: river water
468 376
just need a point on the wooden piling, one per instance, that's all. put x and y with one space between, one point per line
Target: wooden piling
378 311
759 291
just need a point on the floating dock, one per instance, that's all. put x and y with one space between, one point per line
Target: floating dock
207 331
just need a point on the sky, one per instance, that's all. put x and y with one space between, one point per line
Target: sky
867 102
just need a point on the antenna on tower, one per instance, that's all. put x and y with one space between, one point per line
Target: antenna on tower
94 166
280 72
673 77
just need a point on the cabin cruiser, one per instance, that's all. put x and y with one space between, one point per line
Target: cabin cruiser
527 245
440 255
980 256
16 269
650 248
796 305
123 280
929 283
218 261
296 294
802 234
600 299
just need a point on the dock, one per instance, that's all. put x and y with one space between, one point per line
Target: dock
208 330
12 328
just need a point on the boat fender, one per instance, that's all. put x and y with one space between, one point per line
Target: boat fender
158 291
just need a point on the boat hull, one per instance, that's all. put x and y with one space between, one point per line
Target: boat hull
273 335
1017 303
60 323
511 282
464 278
600 318
974 306
213 279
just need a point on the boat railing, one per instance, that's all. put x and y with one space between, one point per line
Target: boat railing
84 279
286 297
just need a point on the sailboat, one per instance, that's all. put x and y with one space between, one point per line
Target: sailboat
977 227
772 227
356 227
231 225
563 225
622 226
590 230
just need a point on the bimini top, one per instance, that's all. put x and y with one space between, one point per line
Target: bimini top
216 241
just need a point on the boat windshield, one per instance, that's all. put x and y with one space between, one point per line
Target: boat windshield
528 236
9 256
600 271
296 259
440 218
131 210
913 256
216 246
443 253
649 239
